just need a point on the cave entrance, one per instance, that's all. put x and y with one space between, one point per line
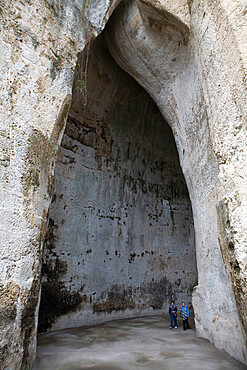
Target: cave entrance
120 239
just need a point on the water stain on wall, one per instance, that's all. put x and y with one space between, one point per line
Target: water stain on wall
120 235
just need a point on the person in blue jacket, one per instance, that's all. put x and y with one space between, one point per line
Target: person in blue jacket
173 314
185 314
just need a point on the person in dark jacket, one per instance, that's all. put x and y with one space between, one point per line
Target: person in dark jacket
173 314
185 314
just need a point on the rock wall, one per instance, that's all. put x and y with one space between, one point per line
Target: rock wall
120 237
202 96
39 45
156 48
221 57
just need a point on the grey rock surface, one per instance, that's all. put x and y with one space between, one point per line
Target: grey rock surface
120 232
191 58
156 48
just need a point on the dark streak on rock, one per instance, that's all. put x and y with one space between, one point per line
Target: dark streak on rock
118 299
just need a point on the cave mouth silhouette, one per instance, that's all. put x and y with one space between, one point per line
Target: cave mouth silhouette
120 239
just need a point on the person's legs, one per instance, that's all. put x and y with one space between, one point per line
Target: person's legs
188 326
184 325
171 325
175 320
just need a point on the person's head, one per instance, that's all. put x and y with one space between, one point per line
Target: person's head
183 304
172 303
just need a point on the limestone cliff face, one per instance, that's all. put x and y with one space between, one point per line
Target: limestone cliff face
138 35
222 65
120 219
191 59
40 41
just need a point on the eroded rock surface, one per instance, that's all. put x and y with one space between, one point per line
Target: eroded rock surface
192 61
137 34
39 44
121 228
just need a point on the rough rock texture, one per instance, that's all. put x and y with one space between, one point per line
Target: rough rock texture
155 47
201 94
120 231
40 41
221 56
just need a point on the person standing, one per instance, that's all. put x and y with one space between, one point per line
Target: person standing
173 314
185 314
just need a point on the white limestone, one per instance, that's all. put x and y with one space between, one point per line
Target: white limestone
202 94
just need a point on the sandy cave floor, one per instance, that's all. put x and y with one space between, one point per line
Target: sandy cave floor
141 343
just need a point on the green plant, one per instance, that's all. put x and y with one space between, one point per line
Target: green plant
60 55
53 7
41 150
42 26
82 84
